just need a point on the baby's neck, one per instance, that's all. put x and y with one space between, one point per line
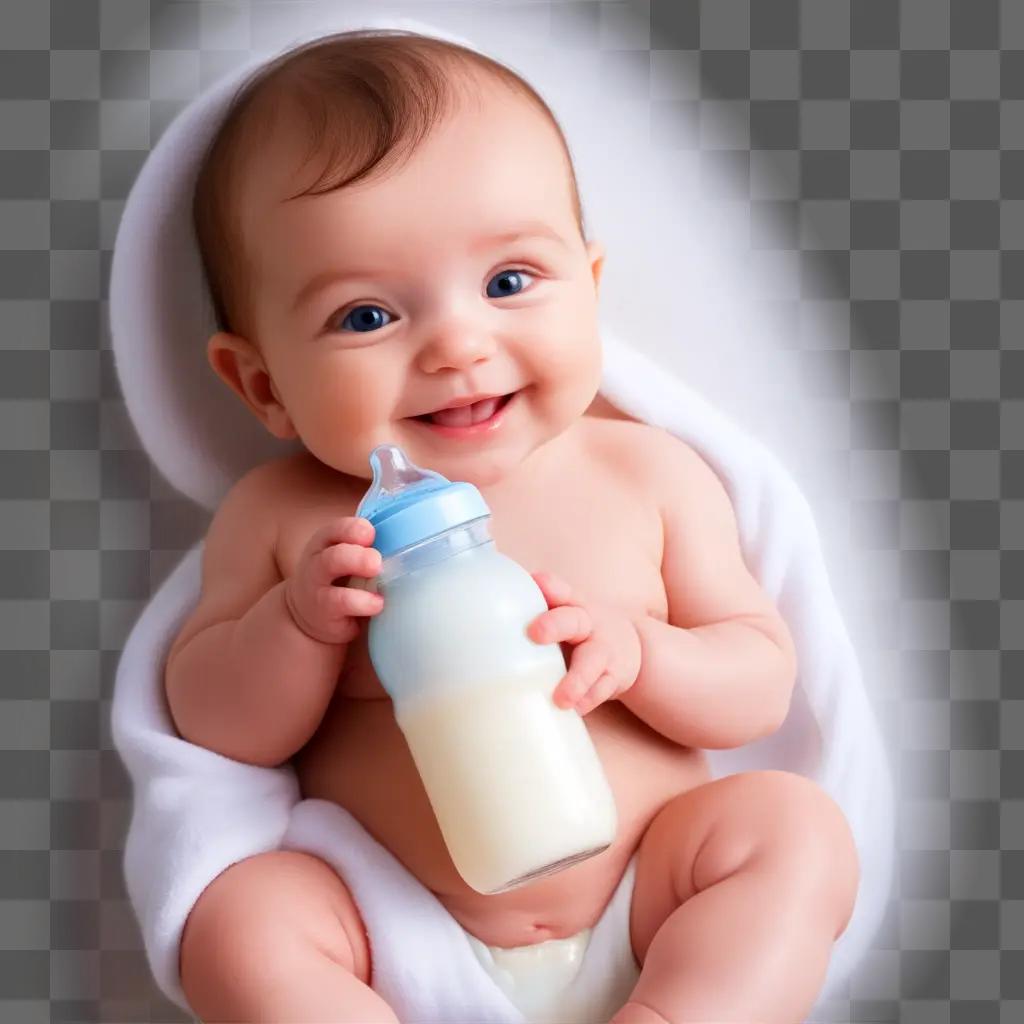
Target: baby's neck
543 464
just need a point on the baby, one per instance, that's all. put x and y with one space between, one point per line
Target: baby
439 262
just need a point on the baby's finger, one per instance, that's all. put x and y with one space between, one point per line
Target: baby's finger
345 560
353 529
568 624
603 690
589 662
339 602
555 590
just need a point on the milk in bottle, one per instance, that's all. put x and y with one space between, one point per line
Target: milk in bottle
514 781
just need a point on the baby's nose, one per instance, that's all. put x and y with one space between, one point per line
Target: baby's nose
456 346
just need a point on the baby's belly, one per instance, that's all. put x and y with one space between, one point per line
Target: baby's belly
360 760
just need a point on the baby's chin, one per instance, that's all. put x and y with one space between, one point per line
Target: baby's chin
484 468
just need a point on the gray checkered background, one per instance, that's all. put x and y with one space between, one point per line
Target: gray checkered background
885 143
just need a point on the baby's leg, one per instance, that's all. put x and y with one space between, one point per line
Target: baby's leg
277 938
742 887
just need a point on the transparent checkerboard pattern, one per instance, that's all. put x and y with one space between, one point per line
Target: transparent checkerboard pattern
882 142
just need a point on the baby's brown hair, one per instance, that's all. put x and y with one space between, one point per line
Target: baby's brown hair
368 95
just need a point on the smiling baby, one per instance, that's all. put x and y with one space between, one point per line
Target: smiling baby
394 245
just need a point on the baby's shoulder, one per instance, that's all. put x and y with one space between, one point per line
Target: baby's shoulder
266 492
302 492
299 477
644 455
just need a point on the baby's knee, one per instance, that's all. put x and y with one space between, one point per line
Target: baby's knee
785 824
264 916
796 804
808 839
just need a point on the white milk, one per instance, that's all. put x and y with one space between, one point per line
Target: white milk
515 781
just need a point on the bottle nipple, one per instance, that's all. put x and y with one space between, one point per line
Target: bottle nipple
396 481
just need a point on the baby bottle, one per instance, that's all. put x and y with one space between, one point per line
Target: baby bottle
514 781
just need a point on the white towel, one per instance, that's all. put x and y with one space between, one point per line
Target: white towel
196 812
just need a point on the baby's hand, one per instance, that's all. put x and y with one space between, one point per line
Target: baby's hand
606 661
321 609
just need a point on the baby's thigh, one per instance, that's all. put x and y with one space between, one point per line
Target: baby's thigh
785 822
266 913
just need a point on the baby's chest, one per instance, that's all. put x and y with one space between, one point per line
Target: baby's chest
605 543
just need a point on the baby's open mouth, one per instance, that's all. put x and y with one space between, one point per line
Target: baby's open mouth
467 415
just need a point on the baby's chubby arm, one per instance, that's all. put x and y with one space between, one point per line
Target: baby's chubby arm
720 673
243 677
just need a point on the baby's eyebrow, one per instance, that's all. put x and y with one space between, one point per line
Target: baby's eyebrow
531 229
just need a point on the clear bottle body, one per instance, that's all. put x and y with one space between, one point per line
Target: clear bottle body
515 781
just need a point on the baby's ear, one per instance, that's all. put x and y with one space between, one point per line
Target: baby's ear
595 255
239 363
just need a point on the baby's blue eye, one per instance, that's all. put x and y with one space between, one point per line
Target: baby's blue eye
368 318
504 288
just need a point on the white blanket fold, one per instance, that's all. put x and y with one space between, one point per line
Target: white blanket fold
196 812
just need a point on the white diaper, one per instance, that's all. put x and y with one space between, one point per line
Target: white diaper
428 969
586 977
533 977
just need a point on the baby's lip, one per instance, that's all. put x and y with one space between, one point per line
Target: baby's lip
458 403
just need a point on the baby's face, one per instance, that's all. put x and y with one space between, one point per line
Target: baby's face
389 299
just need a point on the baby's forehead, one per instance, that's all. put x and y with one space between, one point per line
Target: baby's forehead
288 164
482 180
